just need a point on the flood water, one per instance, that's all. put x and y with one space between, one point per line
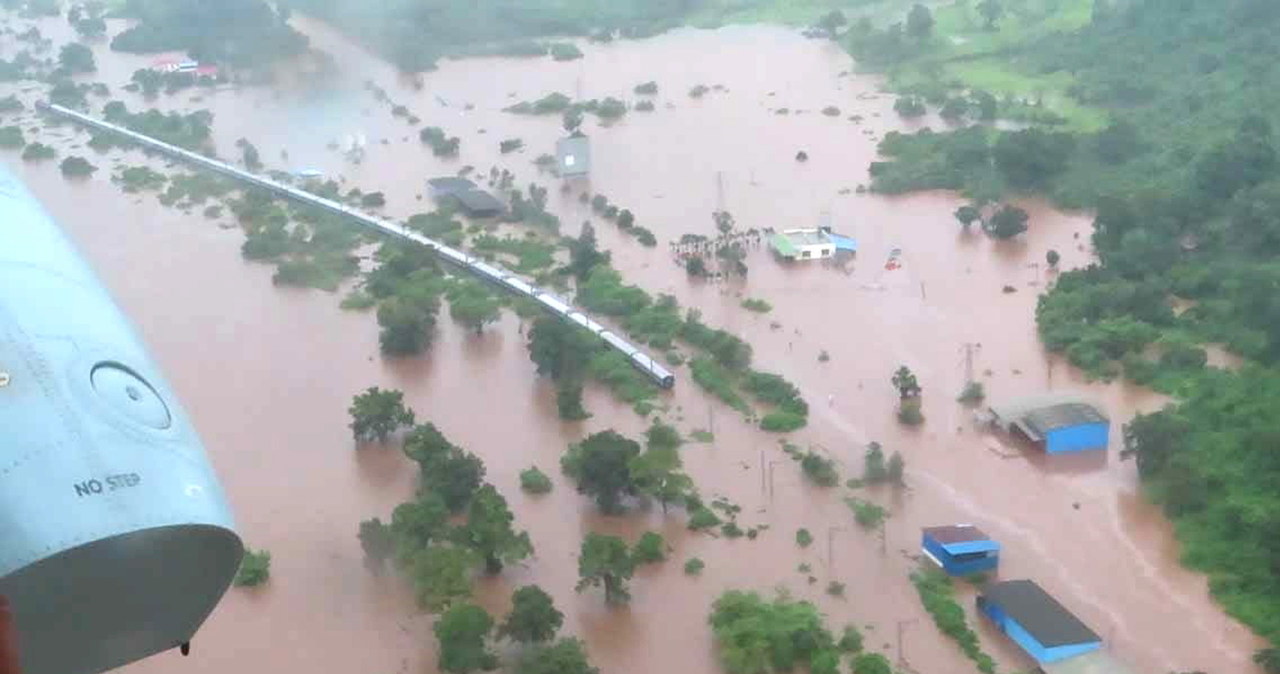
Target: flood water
267 373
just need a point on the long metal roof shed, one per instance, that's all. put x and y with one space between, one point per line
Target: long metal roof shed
1062 421
1048 621
449 185
478 203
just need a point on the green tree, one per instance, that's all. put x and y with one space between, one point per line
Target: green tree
444 469
489 530
1052 257
920 22
76 58
820 469
416 524
569 400
1032 158
407 327
376 414
583 253
874 467
968 214
441 575
533 618
462 631
572 121
605 560
757 636
377 541
1269 660
601 467
650 548
662 436
1232 166
833 21
850 640
905 381
895 468
11 137
92 27
534 481
473 305
76 167
1007 222
991 11
986 104
657 473
558 348
565 656
871 663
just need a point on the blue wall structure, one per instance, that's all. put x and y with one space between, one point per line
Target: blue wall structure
1079 438
1033 645
963 558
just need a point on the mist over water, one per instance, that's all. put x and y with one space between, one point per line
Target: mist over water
267 373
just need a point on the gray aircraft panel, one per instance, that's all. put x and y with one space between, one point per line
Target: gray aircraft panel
116 541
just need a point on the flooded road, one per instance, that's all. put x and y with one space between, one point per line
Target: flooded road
267 373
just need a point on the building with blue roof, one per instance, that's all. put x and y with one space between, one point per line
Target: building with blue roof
960 549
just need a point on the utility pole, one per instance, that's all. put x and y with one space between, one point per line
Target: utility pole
831 533
720 191
969 349
902 660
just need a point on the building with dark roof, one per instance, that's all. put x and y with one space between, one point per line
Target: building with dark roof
1035 621
1059 423
449 185
960 549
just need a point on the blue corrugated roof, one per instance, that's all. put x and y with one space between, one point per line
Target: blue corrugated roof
844 242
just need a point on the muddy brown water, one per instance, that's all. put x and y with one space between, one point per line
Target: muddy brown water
267 373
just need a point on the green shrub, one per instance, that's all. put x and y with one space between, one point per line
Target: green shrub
713 377
973 393
565 51
758 306
255 568
37 152
649 549
909 412
819 469
76 167
850 640
937 595
703 518
510 145
782 422
534 481
694 567
11 137
803 538
647 89
835 589
868 515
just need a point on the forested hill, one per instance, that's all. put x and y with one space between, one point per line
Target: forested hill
414 33
239 32
1184 176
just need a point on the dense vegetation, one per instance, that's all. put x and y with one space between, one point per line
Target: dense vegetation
239 32
756 635
938 596
415 34
1165 113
